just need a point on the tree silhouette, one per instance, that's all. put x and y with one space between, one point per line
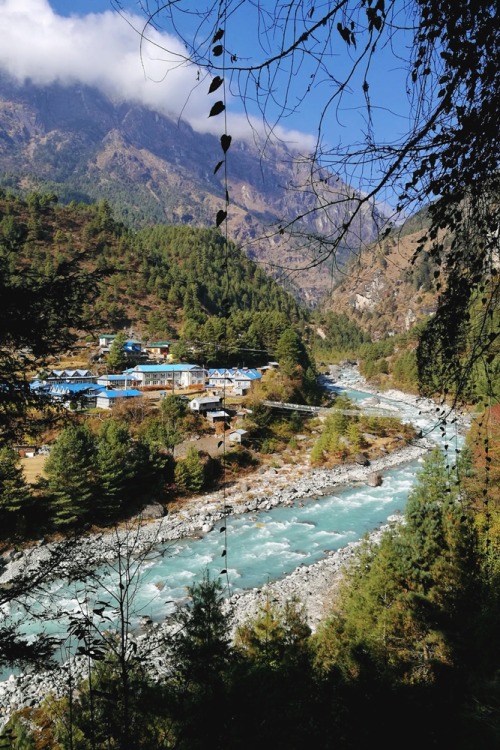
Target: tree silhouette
15 495
326 59
117 358
44 308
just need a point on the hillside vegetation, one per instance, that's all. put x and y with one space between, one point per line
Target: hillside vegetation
390 298
152 281
384 289
190 287
415 624
156 170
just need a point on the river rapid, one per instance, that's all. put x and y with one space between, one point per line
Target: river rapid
287 534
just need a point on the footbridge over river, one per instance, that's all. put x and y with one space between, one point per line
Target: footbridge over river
283 405
374 408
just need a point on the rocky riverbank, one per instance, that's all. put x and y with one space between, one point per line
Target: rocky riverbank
259 492
314 585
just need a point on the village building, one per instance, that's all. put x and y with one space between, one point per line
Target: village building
240 380
237 436
122 380
158 349
131 347
75 395
106 339
269 366
106 399
40 387
69 376
204 404
175 376
218 416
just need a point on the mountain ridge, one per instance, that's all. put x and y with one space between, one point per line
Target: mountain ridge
85 147
387 289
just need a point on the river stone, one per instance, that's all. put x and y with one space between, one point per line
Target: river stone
153 510
361 459
375 479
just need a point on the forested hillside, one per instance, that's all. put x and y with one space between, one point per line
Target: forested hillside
163 282
189 284
81 144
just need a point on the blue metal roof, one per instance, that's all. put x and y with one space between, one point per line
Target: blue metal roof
163 368
74 387
39 385
121 393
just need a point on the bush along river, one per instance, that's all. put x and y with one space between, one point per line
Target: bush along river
287 537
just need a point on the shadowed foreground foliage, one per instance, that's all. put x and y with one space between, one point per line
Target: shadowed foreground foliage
411 635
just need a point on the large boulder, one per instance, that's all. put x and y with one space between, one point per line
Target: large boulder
361 459
375 479
152 511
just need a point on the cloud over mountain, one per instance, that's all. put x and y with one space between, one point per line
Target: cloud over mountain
105 50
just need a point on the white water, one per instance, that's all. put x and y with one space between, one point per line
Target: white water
261 547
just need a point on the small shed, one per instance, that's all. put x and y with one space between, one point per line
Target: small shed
26 451
204 404
236 436
217 416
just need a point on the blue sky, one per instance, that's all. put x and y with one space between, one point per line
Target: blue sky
87 41
99 49
70 7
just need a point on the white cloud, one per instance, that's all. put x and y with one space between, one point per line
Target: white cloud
103 50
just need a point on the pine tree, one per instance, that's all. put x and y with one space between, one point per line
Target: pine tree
115 468
117 359
172 410
70 470
290 352
181 475
275 678
15 494
277 635
317 455
200 655
354 436
195 470
189 472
